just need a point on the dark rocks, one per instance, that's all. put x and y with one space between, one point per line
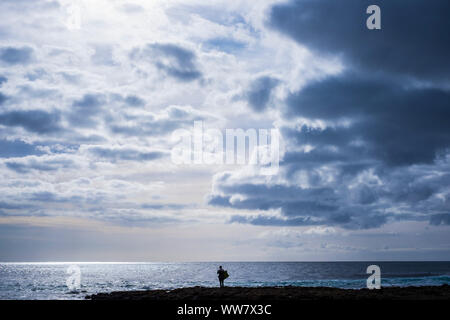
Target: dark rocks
287 293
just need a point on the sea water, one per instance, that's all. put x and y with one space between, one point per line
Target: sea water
47 280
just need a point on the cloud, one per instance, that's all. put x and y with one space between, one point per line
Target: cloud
36 121
17 148
258 95
358 111
379 156
33 163
44 196
398 125
132 8
35 74
3 98
3 80
134 101
366 146
328 193
85 109
298 206
89 102
214 14
125 153
13 206
321 230
164 206
31 92
440 219
130 100
160 123
25 6
409 36
175 61
14 56
103 55
228 45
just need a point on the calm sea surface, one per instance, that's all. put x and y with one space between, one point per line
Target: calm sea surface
48 280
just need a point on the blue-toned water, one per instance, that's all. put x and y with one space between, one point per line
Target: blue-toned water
48 280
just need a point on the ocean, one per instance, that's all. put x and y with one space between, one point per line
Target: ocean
47 280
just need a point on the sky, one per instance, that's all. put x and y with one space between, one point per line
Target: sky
91 93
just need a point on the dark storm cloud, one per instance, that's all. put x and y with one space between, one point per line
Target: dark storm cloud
261 220
383 154
363 190
289 199
298 206
349 201
36 121
126 154
259 92
345 220
366 195
440 219
13 56
399 125
350 160
412 40
175 61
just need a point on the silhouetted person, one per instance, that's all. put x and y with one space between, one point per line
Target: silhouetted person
222 275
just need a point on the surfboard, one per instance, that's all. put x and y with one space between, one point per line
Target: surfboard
225 274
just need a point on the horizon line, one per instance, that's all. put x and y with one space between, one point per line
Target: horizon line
217 261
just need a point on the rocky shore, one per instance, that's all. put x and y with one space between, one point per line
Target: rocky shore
287 293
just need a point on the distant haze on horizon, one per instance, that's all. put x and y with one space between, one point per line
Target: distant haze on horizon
91 92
